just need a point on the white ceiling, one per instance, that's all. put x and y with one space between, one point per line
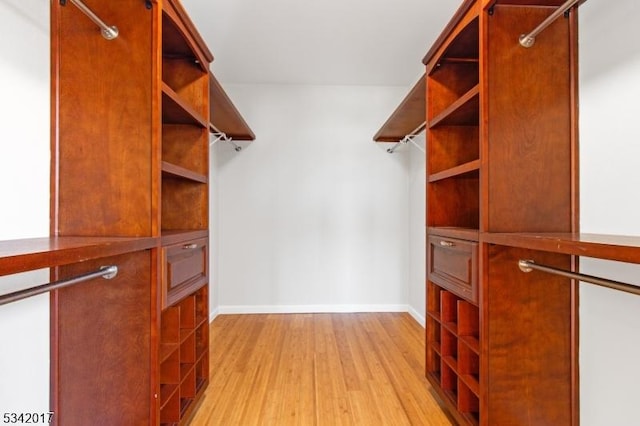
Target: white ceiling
320 42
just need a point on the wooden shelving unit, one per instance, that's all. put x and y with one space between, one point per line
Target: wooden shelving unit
130 129
491 135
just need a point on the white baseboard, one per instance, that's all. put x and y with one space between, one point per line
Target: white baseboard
305 309
214 313
418 317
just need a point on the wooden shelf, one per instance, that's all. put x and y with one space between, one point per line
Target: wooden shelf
224 115
36 253
166 349
176 111
451 362
472 343
470 167
408 116
463 112
471 382
434 315
601 246
172 171
454 232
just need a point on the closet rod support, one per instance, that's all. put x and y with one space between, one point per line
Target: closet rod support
409 138
106 272
221 136
530 265
108 32
528 40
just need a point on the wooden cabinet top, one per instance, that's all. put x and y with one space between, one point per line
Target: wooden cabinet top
36 253
621 248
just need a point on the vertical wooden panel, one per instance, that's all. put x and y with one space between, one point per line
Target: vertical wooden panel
528 340
104 345
529 123
103 152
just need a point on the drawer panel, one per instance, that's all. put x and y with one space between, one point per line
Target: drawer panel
185 269
453 264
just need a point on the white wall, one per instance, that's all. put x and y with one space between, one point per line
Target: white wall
312 216
417 230
610 203
24 191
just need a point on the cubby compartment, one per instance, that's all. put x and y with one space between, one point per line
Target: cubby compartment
188 313
202 340
468 403
455 201
170 369
469 325
453 82
170 409
434 366
184 204
433 301
469 367
202 371
202 306
449 311
449 381
452 146
449 83
434 334
188 80
188 384
169 332
185 147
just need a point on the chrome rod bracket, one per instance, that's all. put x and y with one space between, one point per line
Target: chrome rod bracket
525 265
109 32
109 272
528 40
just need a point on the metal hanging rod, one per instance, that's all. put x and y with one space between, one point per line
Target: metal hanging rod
409 138
529 265
106 272
222 136
108 32
528 40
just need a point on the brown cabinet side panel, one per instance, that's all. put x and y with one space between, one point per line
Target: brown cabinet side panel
528 334
102 346
102 101
529 140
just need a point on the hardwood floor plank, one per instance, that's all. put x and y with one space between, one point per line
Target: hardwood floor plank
318 369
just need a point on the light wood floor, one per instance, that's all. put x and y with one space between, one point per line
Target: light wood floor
318 369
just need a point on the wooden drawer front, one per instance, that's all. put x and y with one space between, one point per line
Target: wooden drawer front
185 269
453 264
